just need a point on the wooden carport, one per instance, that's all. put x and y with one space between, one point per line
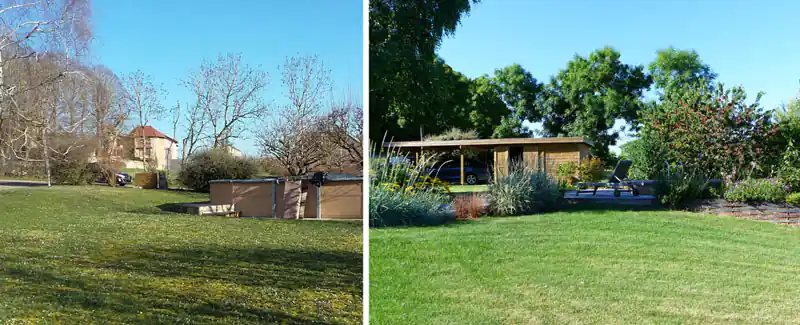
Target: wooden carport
544 154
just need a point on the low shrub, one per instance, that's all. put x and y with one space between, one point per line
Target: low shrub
757 189
522 191
680 189
793 198
468 207
71 170
566 173
210 165
401 194
591 169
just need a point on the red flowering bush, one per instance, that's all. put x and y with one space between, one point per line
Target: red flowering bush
715 133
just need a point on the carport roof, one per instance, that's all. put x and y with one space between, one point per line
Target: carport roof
484 143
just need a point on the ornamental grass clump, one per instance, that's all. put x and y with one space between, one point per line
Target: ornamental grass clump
402 193
757 189
522 191
680 188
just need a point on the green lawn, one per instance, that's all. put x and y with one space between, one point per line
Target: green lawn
468 188
97 255
599 267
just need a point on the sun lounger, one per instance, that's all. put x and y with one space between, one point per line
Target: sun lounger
618 181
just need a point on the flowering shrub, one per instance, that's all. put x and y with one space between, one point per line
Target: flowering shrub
753 189
793 198
714 133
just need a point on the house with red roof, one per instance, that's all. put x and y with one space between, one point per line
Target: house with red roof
151 146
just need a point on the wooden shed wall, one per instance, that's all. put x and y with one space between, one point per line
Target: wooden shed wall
547 157
342 200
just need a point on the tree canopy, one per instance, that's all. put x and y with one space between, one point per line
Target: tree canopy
675 69
586 97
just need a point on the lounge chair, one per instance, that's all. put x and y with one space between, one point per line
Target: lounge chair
618 181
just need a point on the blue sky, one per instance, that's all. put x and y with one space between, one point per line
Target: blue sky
749 43
168 39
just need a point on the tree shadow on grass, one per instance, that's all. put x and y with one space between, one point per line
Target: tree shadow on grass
145 284
588 207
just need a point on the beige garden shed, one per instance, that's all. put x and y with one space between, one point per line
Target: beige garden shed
543 154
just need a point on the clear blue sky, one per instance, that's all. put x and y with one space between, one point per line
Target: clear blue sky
754 44
168 39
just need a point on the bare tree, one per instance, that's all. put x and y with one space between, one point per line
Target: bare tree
42 26
229 93
201 84
40 42
109 114
38 132
344 129
295 138
143 98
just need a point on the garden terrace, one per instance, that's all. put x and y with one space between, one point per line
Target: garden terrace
544 154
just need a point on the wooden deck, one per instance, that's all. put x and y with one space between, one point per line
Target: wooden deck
607 197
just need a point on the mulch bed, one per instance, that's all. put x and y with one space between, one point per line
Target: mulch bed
780 213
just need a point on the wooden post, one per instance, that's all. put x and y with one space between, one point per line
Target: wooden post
461 153
494 165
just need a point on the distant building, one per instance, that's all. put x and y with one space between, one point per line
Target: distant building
150 146
233 151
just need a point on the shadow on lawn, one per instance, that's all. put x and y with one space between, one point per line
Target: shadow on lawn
204 284
608 207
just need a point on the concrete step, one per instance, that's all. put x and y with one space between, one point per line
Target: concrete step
204 209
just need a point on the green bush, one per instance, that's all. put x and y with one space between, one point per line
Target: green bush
757 189
566 173
793 198
71 170
648 156
401 194
522 191
680 188
789 172
591 169
211 165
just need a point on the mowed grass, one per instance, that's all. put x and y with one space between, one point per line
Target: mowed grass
468 188
97 255
597 267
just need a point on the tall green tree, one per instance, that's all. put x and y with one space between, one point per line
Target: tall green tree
679 70
486 109
519 91
404 35
588 96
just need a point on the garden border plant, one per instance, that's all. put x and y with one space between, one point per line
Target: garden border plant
401 193
522 191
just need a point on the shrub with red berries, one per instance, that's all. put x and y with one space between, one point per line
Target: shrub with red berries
714 132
